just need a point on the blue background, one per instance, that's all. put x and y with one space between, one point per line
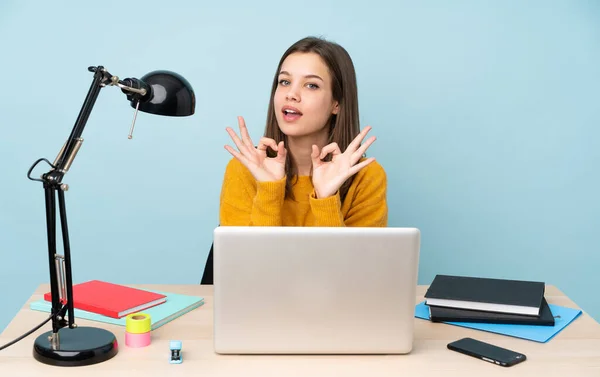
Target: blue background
487 114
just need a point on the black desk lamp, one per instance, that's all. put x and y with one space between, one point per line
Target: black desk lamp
158 92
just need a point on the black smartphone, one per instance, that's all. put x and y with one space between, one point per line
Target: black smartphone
487 352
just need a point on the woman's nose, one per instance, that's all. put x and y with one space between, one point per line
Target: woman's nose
292 94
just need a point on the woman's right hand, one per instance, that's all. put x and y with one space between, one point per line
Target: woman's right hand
262 167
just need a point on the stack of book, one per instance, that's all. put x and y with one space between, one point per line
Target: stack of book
487 300
102 301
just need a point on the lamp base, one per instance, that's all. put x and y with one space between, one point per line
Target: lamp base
78 347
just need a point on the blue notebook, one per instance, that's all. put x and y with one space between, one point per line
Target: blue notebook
562 318
175 306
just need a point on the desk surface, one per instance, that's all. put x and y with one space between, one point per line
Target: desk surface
573 352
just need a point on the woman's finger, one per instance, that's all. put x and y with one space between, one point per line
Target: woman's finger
244 132
332 148
266 142
315 156
238 143
363 148
281 152
356 168
240 157
355 144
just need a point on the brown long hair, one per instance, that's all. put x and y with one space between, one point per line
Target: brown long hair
343 126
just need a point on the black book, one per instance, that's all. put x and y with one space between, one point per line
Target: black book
440 314
486 294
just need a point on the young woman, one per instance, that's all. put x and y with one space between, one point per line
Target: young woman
309 169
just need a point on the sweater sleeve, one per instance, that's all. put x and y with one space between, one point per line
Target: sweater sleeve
367 202
246 202
327 211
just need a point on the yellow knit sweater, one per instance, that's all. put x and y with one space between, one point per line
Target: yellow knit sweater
246 202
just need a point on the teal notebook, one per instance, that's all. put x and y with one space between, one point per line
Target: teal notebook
562 318
175 306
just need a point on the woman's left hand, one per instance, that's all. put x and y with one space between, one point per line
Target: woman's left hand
328 176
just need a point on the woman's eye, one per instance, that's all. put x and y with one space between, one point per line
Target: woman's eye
284 82
312 86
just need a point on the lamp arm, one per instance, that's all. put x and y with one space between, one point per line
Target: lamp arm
102 78
61 284
67 154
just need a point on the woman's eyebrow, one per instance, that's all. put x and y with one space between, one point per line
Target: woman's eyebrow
306 77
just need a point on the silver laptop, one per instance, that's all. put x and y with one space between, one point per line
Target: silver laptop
313 290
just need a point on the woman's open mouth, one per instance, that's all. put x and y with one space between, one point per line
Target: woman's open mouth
291 114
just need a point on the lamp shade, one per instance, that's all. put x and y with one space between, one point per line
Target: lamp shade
170 94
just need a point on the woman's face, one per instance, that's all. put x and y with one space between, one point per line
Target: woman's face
303 100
